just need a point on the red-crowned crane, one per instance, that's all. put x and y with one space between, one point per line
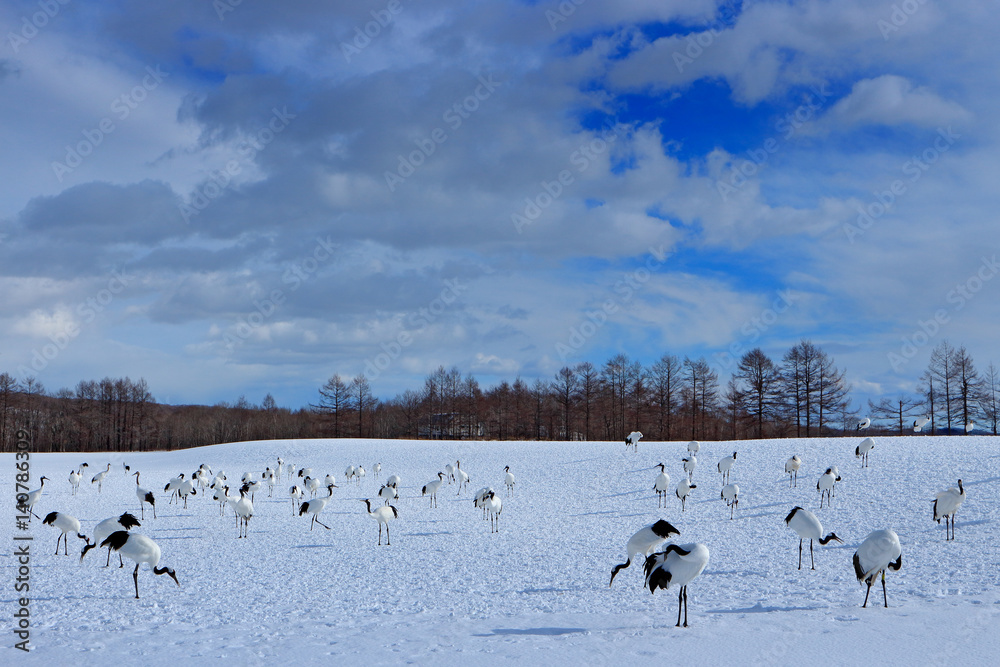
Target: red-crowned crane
684 490
643 542
431 488
946 504
731 494
509 480
690 463
66 524
140 549
807 527
144 497
725 466
494 506
880 551
383 515
32 497
792 466
826 484
104 529
632 440
661 485
99 478
315 506
862 450
676 566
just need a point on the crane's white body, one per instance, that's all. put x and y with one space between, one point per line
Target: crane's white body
244 512
33 496
678 565
862 450
296 495
144 497
172 487
864 424
494 506
480 499
99 478
662 486
66 524
684 490
807 526
725 467
383 515
104 529
632 440
508 480
792 466
140 549
431 488
880 551
461 477
643 542
731 494
690 463
315 506
825 485
74 480
946 504
694 447
388 494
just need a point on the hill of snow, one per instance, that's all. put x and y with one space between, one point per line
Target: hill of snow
448 591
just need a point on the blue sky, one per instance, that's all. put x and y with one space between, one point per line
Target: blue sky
246 202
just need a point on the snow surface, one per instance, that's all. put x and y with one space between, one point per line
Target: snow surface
448 591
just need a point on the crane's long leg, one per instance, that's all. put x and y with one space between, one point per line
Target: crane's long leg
387 542
885 599
680 603
800 553
135 578
866 595
811 559
685 590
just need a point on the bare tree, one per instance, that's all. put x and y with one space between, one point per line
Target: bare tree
588 391
968 385
988 401
761 383
334 401
942 369
664 388
899 410
564 387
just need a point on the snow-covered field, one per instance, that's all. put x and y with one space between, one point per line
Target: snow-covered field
450 592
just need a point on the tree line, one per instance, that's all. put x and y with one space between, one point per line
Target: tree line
803 394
